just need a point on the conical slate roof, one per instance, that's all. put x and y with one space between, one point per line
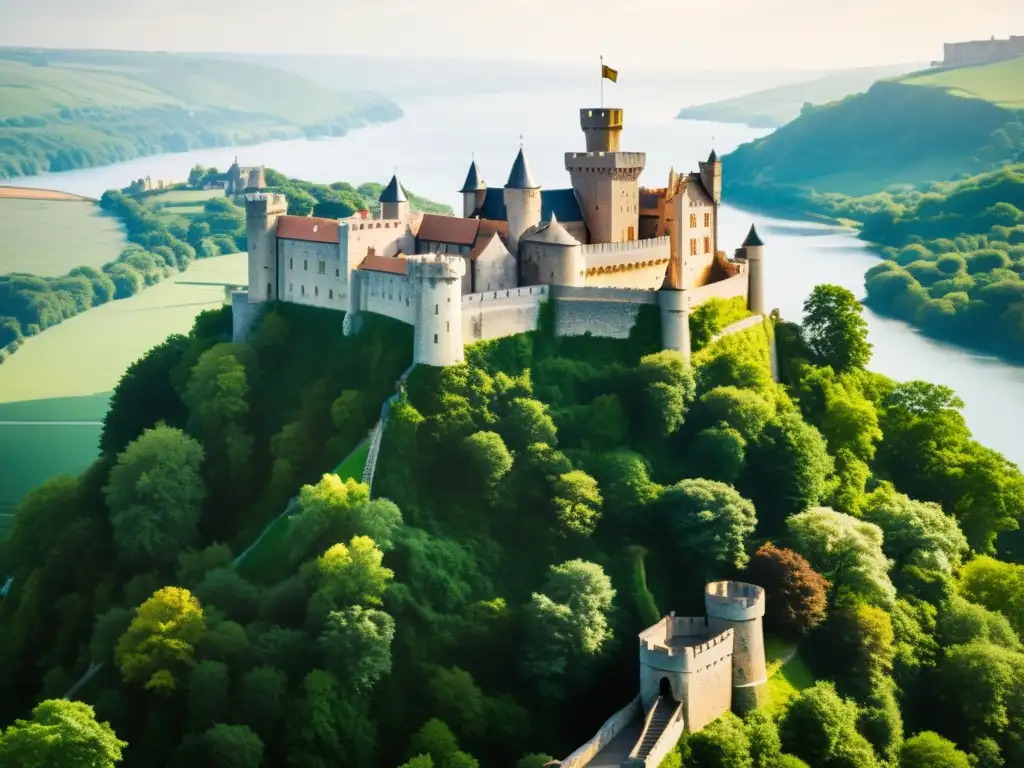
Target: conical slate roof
393 192
473 181
713 157
553 232
520 177
753 239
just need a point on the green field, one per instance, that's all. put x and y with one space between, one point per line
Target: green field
181 202
1001 83
785 678
50 237
67 372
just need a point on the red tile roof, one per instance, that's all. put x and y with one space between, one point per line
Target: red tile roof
307 228
394 265
448 229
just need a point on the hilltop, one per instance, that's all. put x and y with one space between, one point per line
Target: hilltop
773 107
912 130
74 109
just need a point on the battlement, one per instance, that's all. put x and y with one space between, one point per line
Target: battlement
601 118
440 266
532 292
265 203
355 224
605 161
734 601
594 249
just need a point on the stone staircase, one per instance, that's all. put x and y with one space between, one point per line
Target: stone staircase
378 430
657 721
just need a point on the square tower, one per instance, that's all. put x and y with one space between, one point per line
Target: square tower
605 179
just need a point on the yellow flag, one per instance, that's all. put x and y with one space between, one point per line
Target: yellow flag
609 74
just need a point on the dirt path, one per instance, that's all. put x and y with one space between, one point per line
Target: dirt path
28 193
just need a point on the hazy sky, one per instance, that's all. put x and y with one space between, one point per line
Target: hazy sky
705 34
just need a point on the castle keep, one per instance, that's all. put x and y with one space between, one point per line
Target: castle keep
692 671
599 249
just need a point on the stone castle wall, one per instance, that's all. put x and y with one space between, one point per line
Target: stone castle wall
709 688
299 263
606 312
612 727
385 237
639 265
729 288
384 294
495 314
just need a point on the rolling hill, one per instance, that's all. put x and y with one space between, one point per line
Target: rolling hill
72 109
921 128
773 107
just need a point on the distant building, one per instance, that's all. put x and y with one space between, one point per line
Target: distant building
982 51
238 180
148 184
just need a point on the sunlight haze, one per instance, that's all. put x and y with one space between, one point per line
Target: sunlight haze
716 34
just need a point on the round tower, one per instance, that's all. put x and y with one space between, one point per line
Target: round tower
552 256
436 279
262 212
473 191
675 321
739 606
393 204
753 248
522 201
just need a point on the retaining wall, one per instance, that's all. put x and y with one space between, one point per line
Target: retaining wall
612 727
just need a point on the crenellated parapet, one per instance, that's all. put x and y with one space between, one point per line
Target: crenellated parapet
734 601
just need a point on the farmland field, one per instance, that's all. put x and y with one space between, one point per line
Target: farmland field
67 373
50 237
182 202
1001 83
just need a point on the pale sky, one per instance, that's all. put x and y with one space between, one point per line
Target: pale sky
702 34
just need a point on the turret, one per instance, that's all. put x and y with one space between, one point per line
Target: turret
552 256
675 321
262 212
602 129
753 252
393 204
711 176
522 201
473 191
740 607
436 280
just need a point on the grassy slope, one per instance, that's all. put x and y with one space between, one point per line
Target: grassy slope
773 107
49 237
906 131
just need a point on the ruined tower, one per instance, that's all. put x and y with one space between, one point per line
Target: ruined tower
262 212
739 606
605 178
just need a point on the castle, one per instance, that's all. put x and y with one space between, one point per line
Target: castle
599 249
692 671
982 51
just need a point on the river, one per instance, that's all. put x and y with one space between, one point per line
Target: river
431 148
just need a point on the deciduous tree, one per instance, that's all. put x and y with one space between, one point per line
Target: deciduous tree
835 329
60 733
709 518
797 599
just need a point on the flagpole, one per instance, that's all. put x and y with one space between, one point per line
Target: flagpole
602 81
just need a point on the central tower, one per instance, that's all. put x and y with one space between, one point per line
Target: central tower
605 179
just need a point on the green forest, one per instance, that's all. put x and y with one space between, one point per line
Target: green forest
164 241
65 109
532 510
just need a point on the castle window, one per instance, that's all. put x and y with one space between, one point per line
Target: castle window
291 263
693 219
330 294
302 290
337 273
322 267
435 338
707 219
435 309
693 246
305 264
448 325
707 245
316 290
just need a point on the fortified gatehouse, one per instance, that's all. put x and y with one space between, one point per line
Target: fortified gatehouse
598 250
692 671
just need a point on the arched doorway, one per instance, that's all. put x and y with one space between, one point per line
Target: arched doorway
665 690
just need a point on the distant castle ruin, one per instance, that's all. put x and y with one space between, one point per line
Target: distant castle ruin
599 249
692 671
982 51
